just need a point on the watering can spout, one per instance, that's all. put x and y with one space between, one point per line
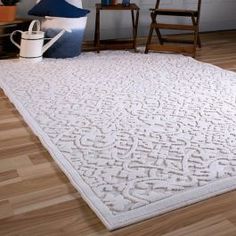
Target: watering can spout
53 40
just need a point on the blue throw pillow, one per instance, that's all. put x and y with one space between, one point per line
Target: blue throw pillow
57 8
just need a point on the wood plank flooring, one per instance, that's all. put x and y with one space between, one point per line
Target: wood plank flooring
37 199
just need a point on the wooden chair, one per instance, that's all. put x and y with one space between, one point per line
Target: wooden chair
155 25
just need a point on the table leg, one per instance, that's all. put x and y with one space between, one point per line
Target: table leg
135 29
97 31
133 21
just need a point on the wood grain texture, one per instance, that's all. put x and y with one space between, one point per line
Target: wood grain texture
37 199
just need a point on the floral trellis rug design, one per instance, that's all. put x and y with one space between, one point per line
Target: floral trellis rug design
137 135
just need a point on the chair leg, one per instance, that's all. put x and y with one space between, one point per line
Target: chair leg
196 37
199 41
159 36
149 40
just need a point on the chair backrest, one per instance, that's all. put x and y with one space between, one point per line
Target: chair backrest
199 2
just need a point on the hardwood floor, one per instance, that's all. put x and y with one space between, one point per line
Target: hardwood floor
37 199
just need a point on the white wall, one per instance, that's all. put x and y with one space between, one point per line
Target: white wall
216 15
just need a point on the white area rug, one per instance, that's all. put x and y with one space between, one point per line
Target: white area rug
137 135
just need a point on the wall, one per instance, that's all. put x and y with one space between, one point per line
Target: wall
216 15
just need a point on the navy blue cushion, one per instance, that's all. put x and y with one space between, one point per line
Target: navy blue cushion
57 8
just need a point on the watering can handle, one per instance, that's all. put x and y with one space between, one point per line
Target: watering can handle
12 39
32 24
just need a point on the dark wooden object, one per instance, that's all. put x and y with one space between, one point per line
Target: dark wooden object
111 44
155 25
7 49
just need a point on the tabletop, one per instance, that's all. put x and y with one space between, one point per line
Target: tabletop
132 6
17 21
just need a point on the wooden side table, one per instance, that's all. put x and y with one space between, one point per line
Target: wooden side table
7 49
131 44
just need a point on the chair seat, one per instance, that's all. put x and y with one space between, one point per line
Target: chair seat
175 12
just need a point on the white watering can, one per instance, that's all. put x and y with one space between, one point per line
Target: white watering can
32 47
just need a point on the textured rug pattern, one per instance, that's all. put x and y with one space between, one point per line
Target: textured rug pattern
138 135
